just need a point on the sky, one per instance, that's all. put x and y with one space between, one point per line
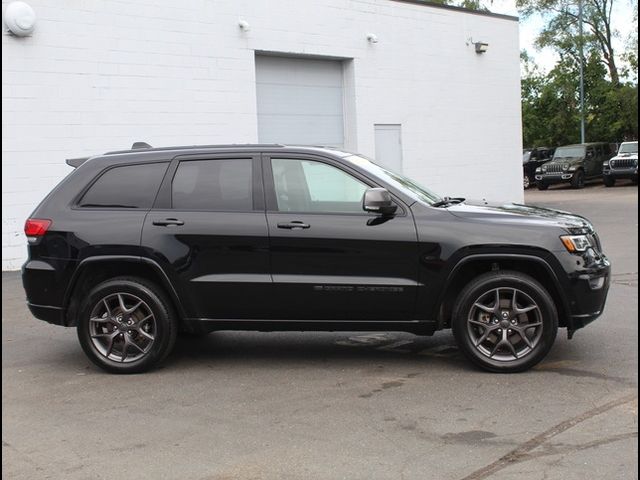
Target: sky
622 20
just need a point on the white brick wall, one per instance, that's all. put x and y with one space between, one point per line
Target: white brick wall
99 75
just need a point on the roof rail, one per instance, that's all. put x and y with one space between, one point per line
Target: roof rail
137 145
76 162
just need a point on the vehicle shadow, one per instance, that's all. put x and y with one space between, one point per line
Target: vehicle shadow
298 348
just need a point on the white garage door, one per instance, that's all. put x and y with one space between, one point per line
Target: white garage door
299 101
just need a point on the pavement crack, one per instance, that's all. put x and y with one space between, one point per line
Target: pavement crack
521 453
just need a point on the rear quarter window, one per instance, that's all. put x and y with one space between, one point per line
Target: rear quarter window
128 186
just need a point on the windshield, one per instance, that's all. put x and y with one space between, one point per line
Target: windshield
631 147
396 180
569 152
526 156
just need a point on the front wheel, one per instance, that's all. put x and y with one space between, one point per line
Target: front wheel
126 325
609 182
526 183
505 321
578 179
543 186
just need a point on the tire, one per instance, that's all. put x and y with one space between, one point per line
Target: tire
609 182
120 347
634 180
492 353
578 180
543 186
526 182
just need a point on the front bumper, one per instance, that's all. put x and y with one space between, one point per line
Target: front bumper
622 173
553 178
586 288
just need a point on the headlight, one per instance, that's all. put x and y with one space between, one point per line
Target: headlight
575 243
565 167
538 170
605 163
544 168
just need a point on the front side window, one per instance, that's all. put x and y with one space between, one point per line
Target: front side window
214 185
309 186
129 186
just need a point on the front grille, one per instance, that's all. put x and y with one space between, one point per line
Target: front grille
623 163
554 168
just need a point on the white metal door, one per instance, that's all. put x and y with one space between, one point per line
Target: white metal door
299 101
389 146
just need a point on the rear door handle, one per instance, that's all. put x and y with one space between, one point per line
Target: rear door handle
168 222
293 225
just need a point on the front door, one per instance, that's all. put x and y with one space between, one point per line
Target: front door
209 233
329 258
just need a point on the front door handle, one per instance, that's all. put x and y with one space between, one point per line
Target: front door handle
293 225
168 222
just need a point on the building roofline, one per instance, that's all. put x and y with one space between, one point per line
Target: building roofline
427 3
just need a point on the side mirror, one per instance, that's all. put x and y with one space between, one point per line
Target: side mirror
378 200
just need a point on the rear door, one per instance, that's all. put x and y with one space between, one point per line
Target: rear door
208 231
329 258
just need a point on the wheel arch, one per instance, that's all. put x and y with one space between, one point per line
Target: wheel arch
476 264
94 270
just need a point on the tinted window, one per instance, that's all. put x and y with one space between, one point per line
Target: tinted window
132 186
308 186
222 185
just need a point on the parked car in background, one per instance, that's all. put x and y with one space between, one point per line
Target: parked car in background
623 165
574 164
135 245
532 158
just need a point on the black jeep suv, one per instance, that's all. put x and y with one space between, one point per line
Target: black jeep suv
134 246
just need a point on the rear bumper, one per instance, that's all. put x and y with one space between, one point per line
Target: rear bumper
54 315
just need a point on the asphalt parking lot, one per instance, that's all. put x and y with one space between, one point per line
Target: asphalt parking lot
235 406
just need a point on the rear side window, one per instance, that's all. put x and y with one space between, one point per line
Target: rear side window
129 186
215 185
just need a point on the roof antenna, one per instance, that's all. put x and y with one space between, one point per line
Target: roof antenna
137 145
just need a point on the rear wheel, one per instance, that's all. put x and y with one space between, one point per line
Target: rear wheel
505 321
127 325
578 179
608 181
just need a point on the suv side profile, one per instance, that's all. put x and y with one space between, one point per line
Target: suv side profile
623 166
574 164
135 245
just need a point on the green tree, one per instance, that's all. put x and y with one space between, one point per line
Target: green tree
562 29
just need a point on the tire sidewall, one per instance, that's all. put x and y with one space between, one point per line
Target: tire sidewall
165 331
492 281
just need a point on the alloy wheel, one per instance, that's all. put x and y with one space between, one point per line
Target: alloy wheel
505 324
122 327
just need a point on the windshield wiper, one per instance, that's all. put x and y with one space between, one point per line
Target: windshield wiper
448 201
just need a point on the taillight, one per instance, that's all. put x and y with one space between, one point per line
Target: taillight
36 227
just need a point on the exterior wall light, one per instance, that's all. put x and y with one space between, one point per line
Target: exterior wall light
20 19
481 47
244 25
372 38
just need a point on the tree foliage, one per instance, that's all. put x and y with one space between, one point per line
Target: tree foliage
550 101
550 104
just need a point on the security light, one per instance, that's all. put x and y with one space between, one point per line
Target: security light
372 38
244 25
481 47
